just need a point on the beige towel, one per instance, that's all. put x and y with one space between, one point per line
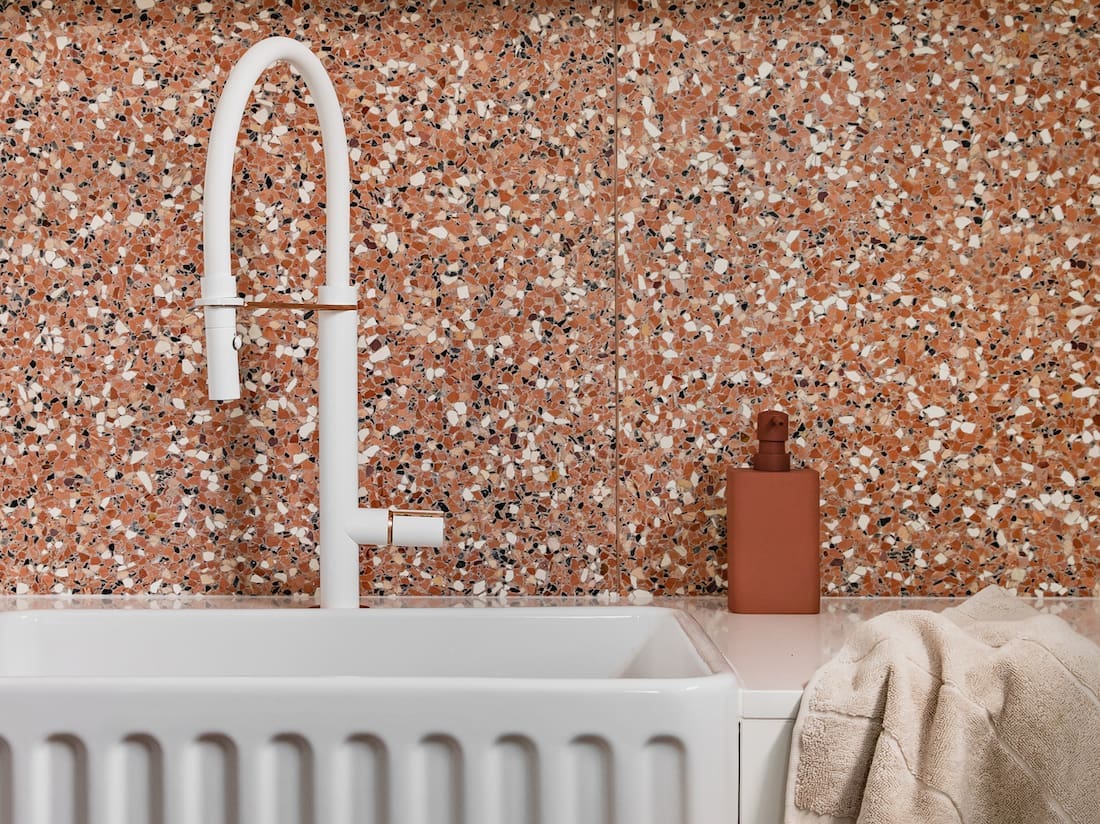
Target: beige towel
986 712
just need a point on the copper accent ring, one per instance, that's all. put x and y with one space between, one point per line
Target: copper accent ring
294 306
256 305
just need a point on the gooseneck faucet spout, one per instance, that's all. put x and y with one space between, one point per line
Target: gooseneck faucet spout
219 282
343 524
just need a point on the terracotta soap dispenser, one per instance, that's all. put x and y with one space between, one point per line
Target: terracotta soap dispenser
773 528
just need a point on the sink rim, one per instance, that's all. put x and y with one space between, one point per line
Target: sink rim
698 642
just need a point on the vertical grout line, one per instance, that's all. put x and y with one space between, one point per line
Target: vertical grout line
616 274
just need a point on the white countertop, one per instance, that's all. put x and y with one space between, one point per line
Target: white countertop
773 656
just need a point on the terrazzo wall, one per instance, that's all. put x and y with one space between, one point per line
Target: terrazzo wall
593 241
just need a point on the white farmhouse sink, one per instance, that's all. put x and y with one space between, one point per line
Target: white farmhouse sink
525 715
592 643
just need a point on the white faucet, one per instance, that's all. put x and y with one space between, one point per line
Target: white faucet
344 525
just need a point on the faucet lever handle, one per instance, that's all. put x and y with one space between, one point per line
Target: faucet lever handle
415 527
396 527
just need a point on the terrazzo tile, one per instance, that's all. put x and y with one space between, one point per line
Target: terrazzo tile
880 218
482 238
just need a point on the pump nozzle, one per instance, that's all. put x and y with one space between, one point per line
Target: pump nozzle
772 428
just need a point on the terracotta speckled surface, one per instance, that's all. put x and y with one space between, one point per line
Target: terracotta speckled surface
881 218
593 241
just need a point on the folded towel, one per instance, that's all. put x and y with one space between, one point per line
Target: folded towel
985 712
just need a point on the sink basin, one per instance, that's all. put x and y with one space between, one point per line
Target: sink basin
554 643
531 715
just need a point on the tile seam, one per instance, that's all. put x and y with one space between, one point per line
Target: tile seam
616 274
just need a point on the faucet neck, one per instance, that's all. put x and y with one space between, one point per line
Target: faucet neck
219 165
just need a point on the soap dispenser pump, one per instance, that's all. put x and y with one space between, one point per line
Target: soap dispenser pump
773 533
